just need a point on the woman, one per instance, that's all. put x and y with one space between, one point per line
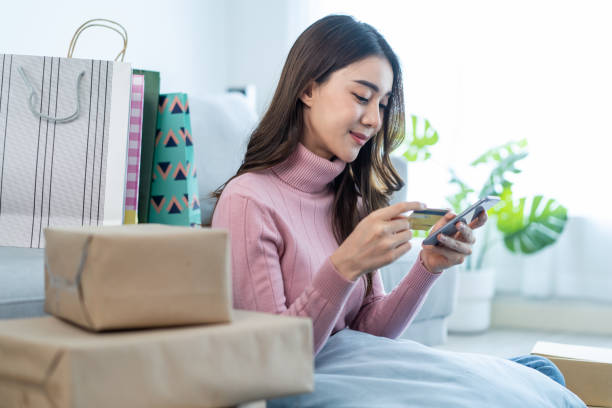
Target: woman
308 210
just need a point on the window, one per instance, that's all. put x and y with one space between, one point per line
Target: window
488 72
485 73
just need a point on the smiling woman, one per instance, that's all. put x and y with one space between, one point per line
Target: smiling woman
309 218
334 100
359 108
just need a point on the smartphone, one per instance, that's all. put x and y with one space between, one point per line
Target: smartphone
466 216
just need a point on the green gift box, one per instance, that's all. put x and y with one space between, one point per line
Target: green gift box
174 187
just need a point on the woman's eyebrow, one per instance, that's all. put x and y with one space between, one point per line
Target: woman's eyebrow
370 85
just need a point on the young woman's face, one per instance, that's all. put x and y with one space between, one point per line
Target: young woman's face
346 111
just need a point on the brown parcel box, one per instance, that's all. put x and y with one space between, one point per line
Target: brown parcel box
587 370
46 362
138 276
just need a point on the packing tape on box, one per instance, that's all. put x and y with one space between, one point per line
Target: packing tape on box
61 283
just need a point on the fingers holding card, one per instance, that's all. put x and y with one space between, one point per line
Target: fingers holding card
425 219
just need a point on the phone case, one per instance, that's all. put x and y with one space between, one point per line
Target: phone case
467 216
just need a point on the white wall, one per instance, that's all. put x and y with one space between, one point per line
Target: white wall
256 31
199 46
184 40
260 34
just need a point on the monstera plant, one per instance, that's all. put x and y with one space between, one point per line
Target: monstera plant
527 224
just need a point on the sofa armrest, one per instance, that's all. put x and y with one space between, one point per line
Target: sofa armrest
429 324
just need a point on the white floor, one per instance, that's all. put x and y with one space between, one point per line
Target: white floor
511 342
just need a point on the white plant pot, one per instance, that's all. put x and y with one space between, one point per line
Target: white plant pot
473 311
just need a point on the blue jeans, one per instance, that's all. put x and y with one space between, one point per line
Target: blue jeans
541 364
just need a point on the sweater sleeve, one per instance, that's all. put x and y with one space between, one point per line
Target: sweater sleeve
256 270
389 315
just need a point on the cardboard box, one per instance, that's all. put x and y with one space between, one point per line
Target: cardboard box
47 362
587 370
138 276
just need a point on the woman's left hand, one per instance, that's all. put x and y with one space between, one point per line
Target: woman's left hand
451 250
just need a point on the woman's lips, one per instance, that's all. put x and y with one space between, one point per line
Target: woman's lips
359 138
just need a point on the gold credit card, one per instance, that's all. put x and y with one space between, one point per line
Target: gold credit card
425 219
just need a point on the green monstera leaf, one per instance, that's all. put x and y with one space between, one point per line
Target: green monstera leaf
497 154
504 158
420 135
527 224
497 180
459 200
529 227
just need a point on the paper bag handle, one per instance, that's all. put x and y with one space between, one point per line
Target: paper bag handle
93 23
32 105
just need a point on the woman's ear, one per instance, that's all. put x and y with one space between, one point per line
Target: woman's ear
307 94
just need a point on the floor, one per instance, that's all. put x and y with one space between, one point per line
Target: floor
510 342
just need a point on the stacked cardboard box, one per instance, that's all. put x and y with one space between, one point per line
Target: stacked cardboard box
115 292
587 370
138 276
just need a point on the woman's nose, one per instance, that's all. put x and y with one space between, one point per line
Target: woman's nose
372 118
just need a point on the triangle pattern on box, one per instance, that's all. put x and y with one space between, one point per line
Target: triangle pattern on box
177 107
181 173
174 172
171 139
158 202
174 207
163 101
186 136
163 168
196 203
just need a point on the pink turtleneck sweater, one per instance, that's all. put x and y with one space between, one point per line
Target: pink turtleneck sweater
280 227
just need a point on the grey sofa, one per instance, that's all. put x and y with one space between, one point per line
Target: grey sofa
22 283
429 325
221 124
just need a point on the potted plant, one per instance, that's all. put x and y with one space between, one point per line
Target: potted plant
525 225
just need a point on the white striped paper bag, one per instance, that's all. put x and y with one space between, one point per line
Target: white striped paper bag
63 139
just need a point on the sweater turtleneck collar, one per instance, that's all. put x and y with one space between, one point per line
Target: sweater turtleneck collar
307 172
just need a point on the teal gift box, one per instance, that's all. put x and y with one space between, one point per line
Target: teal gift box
174 187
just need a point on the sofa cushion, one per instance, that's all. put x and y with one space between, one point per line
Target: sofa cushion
221 127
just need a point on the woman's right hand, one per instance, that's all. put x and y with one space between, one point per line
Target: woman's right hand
379 239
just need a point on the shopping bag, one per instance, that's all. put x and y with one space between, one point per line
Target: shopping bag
134 150
63 139
147 146
174 187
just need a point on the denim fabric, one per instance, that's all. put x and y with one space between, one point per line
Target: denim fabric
541 364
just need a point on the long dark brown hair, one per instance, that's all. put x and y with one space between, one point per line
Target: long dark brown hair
328 45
